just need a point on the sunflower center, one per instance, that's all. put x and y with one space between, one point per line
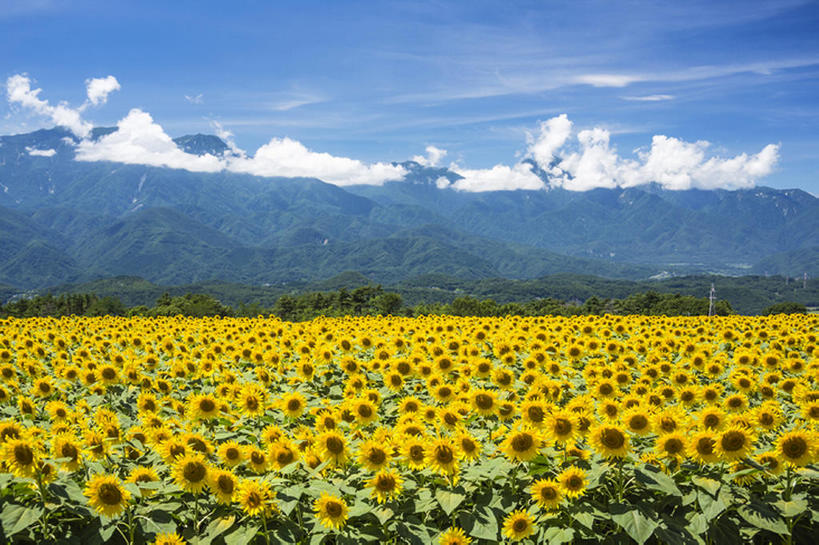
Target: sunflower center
705 446
522 442
612 438
483 401
69 451
733 441
766 419
668 424
254 500
468 445
23 455
293 405
335 445
606 389
535 414
109 494
225 484
711 421
385 483
207 405
416 453
365 411
548 493
257 458
444 454
232 453
377 456
563 426
334 509
252 403
194 472
520 526
284 457
794 447
638 422
673 446
574 482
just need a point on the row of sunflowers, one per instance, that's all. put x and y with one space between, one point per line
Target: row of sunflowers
434 430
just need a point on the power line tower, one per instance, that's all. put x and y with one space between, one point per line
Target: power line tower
711 298
805 281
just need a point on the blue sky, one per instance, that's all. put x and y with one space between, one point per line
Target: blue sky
380 81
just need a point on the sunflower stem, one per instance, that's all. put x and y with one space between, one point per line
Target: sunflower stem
196 516
264 526
789 484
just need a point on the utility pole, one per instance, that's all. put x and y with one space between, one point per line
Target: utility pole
805 281
711 297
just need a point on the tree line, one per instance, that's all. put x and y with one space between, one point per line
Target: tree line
372 300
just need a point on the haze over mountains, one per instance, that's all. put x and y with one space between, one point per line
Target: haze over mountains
63 220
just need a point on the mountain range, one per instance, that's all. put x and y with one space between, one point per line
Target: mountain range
63 220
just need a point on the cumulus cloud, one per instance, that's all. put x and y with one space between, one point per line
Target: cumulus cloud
497 178
19 91
590 161
139 140
291 158
41 152
227 137
433 157
98 89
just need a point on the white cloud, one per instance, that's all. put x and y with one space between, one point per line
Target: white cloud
442 182
553 135
19 91
98 89
227 137
433 157
139 140
650 98
290 158
195 99
673 163
497 178
41 152
606 80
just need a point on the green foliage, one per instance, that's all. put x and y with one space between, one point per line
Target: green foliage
787 307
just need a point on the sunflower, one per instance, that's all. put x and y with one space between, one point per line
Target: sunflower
222 484
365 411
518 525
454 536
255 497
333 447
573 482
386 485
668 420
66 446
252 399
484 402
331 511
637 420
231 453
610 441
770 462
796 448
712 418
10 429
106 495
190 472
293 404
413 452
168 539
282 453
140 475
547 494
373 455
671 446
257 459
561 426
734 443
442 456
20 457
702 447
521 445
203 407
469 447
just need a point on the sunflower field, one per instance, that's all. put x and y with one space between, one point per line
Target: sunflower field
431 430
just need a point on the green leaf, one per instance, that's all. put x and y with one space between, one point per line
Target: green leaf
449 501
762 516
726 532
243 535
219 526
16 518
414 534
557 536
791 508
585 519
698 524
711 507
709 485
481 523
655 479
383 514
636 525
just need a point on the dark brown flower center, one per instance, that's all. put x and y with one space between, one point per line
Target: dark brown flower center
109 494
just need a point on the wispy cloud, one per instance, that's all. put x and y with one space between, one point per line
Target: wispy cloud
195 99
649 98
